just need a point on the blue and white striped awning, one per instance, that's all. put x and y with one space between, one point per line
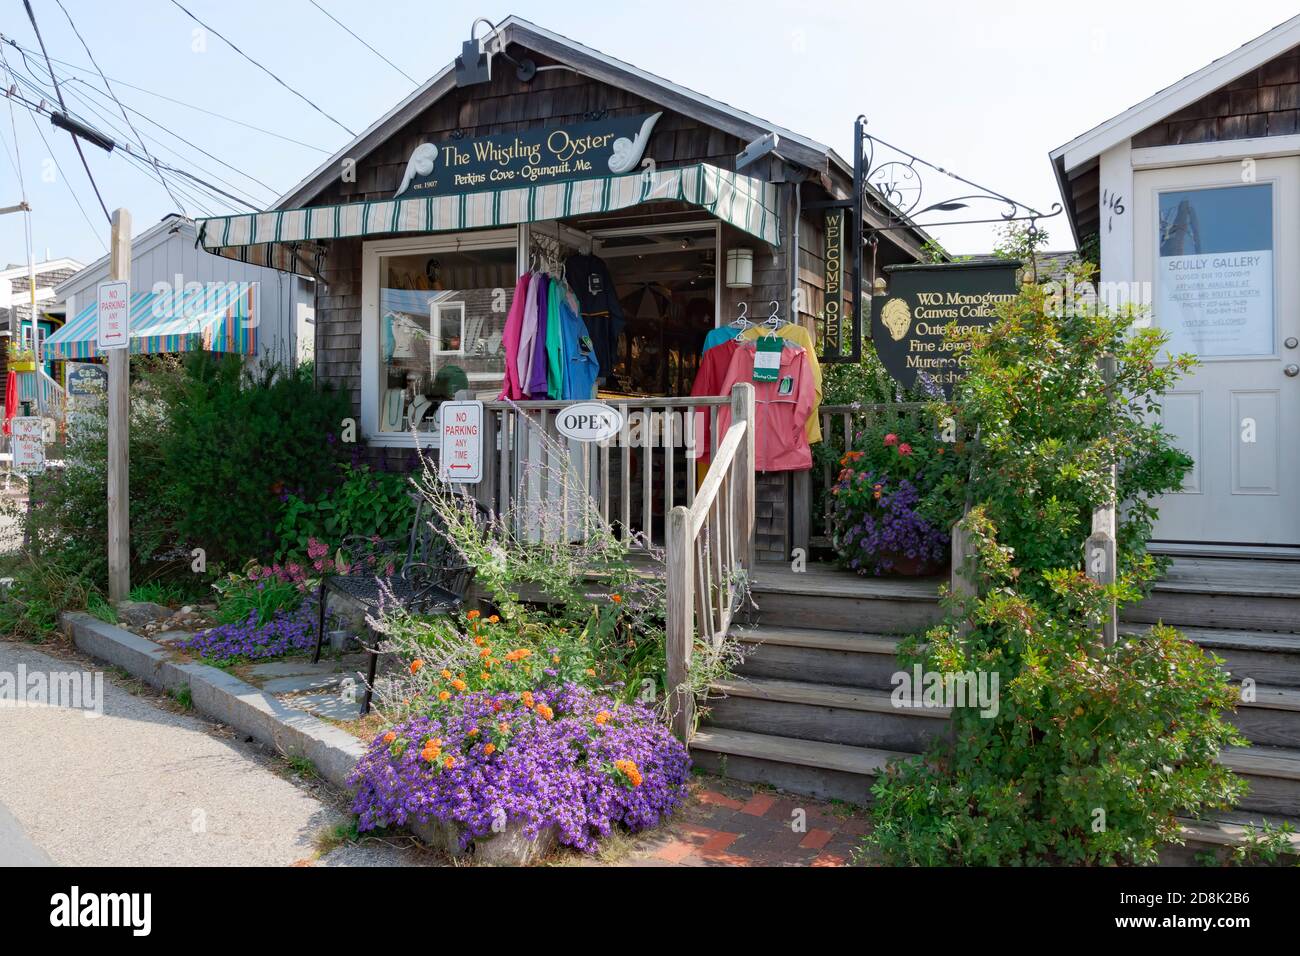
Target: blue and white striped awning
749 204
215 317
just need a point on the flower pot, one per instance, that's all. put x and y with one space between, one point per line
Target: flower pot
510 847
903 566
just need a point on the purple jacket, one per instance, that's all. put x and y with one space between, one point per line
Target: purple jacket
535 386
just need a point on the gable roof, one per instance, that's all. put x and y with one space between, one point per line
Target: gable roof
1085 148
795 147
158 232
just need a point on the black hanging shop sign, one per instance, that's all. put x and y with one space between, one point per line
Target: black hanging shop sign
608 147
908 323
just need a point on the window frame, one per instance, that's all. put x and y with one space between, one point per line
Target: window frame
373 252
1162 186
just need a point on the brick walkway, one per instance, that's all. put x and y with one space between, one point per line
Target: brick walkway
727 823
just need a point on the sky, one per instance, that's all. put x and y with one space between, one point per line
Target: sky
985 89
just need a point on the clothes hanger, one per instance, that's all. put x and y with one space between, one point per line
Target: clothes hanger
774 321
742 321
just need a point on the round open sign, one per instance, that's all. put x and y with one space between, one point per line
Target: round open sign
589 421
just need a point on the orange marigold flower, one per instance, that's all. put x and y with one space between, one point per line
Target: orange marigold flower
389 737
458 684
449 762
486 652
527 698
445 673
444 696
503 727
591 672
489 749
616 598
484 675
603 717
473 732
629 770
416 665
545 712
494 619
480 641
473 616
555 658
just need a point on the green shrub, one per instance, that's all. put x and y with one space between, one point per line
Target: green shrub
41 589
240 444
364 503
68 524
1090 754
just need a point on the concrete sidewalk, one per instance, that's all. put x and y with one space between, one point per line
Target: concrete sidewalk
143 785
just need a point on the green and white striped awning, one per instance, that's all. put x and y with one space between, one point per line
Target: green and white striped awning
747 203
216 317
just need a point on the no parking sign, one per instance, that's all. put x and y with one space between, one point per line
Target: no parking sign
461 461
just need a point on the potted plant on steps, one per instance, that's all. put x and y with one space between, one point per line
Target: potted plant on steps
895 499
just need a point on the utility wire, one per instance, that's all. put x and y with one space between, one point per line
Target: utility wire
92 106
170 99
363 42
256 64
13 77
85 46
33 83
75 141
36 110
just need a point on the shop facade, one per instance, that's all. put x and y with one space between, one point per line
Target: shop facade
637 199
1191 201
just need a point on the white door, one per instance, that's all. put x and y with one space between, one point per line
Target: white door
1220 245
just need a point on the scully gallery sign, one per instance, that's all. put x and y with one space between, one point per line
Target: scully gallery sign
607 147
908 325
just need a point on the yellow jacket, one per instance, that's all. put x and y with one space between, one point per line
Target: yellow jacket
798 335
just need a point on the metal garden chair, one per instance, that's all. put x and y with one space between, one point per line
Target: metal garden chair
431 578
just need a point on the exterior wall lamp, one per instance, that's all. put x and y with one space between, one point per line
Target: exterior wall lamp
740 268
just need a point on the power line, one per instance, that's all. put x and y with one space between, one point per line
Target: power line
363 42
170 99
33 83
91 105
256 64
36 110
85 46
75 141
41 133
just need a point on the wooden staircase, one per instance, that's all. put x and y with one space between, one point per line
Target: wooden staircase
809 710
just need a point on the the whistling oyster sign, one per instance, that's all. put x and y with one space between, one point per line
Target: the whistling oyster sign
607 147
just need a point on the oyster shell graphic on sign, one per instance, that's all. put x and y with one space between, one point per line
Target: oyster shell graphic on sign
897 317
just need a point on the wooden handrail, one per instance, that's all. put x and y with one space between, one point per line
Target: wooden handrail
710 549
712 483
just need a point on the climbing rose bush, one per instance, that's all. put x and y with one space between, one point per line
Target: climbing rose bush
564 757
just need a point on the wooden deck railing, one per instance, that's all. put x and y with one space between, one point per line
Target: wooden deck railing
710 552
636 479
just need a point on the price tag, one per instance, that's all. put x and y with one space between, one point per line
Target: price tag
767 359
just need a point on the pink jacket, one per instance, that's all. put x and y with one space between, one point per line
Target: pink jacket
514 323
781 409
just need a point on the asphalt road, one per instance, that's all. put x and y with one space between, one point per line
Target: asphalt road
144 785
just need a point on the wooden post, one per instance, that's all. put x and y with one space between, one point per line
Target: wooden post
742 410
1100 550
680 620
962 582
119 421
